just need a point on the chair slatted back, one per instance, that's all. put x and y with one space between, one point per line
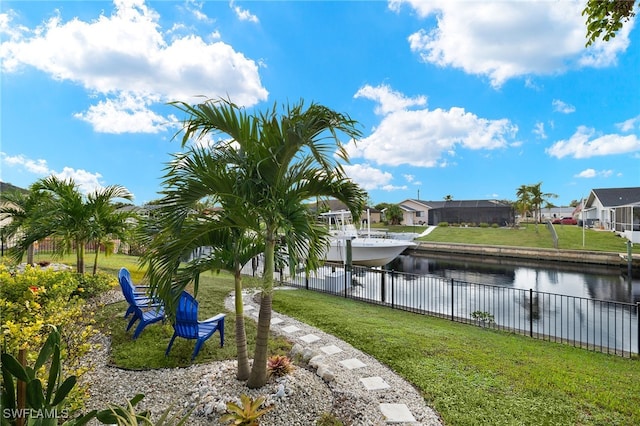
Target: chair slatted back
124 277
186 322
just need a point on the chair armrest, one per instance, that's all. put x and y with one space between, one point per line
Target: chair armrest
216 318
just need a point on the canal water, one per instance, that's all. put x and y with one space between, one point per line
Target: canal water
593 282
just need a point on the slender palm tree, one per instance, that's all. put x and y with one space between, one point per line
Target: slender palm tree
65 214
523 203
283 161
109 222
184 225
538 198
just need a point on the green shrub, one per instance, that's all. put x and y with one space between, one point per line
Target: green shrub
495 225
32 300
484 225
443 224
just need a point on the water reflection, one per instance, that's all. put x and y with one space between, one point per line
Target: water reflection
594 282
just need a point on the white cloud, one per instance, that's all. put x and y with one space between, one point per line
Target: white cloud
126 55
591 173
38 167
628 125
243 14
127 113
584 143
538 130
388 100
507 39
421 138
368 177
562 107
86 181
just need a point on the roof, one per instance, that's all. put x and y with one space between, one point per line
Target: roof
336 205
462 203
611 197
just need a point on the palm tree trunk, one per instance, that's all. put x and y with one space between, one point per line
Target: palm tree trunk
258 376
30 252
241 335
80 257
95 258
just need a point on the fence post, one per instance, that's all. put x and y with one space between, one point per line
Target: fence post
383 291
452 302
638 318
393 294
530 312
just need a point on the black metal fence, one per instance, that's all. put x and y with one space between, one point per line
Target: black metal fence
599 325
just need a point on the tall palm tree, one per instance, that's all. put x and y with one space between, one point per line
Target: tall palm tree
523 203
538 198
108 221
282 161
184 225
65 214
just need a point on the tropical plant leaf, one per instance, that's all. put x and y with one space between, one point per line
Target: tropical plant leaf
14 367
64 389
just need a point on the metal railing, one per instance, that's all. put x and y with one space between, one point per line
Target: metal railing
599 325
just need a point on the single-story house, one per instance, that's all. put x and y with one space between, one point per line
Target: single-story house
417 212
614 209
551 213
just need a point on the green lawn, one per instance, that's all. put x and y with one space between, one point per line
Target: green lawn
469 375
569 237
474 376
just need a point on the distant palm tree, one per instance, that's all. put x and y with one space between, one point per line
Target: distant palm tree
531 198
282 162
66 215
448 197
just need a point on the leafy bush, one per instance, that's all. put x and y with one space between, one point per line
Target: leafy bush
484 225
32 300
443 224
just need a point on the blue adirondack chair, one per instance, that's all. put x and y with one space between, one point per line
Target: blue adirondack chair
187 326
144 309
139 292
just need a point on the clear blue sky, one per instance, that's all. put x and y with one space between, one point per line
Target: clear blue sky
469 99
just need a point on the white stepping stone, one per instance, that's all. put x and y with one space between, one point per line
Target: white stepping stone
331 349
290 329
352 363
309 338
397 413
374 383
276 321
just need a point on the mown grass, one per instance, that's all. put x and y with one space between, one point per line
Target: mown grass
569 237
469 375
475 376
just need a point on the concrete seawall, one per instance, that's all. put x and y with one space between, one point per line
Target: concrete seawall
547 255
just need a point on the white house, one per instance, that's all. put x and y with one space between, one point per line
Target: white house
614 209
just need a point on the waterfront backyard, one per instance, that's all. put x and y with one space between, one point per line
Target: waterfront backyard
469 375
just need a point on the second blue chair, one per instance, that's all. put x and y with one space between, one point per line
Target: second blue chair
187 326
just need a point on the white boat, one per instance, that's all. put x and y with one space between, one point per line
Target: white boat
365 251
